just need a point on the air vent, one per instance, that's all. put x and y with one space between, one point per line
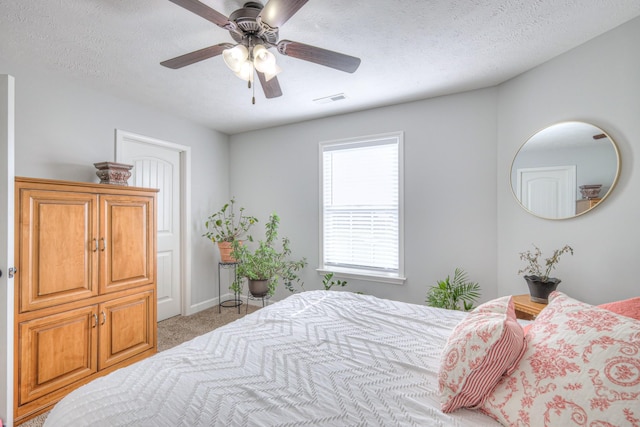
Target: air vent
331 98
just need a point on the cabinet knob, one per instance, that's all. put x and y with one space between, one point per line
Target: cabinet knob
95 320
95 245
104 318
104 244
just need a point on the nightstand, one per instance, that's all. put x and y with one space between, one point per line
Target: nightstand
525 308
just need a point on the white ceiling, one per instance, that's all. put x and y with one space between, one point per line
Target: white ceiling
410 49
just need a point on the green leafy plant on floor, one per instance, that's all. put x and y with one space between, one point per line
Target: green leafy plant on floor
456 294
327 282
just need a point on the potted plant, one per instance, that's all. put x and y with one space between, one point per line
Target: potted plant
225 227
458 294
537 276
265 266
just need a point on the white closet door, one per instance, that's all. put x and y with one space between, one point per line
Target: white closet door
157 166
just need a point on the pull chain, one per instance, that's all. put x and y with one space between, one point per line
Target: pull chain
253 72
253 88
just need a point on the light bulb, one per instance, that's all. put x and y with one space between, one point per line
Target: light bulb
268 75
265 62
235 57
245 72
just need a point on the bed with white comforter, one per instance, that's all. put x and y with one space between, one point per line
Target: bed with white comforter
314 359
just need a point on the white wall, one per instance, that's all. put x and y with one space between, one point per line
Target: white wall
62 128
450 196
599 83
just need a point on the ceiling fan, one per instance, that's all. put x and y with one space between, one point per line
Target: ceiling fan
255 30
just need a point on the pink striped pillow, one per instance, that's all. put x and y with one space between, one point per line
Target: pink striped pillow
483 347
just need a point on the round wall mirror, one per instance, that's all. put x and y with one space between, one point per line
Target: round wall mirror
565 170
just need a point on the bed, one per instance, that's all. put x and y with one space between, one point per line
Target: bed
316 358
324 358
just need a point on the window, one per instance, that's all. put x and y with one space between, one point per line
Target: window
361 207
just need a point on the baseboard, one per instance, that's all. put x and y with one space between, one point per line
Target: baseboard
201 306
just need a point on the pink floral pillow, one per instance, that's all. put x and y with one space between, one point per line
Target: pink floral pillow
482 347
581 368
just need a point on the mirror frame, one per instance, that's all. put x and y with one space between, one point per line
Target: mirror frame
602 199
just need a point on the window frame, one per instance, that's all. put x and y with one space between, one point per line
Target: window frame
354 273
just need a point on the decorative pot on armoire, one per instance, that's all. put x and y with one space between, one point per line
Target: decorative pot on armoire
85 288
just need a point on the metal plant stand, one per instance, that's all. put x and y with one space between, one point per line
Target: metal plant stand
264 299
236 301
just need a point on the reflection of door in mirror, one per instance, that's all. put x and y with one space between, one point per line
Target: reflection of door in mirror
548 191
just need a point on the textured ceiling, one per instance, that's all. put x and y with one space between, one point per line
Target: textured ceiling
410 49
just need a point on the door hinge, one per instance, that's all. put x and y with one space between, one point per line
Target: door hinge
12 271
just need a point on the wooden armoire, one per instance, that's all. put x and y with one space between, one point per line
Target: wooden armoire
85 288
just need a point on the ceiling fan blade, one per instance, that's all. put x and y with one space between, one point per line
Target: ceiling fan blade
204 11
197 56
271 88
325 57
277 12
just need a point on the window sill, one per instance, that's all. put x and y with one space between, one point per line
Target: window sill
343 273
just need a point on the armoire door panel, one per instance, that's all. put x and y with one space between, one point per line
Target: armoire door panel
56 351
128 242
128 259
127 328
59 261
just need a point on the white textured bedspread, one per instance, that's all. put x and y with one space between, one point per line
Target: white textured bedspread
319 358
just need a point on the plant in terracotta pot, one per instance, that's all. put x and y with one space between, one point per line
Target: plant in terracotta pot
267 264
537 274
226 226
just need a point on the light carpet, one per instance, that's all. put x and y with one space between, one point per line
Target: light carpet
179 329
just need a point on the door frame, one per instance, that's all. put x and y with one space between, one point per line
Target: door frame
7 288
185 205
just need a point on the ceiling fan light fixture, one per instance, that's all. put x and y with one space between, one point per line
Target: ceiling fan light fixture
265 62
259 52
245 71
235 57
271 73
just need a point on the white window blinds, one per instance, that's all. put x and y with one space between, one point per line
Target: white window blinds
361 204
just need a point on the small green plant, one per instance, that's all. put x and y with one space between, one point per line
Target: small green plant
267 262
328 283
458 294
533 266
226 226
